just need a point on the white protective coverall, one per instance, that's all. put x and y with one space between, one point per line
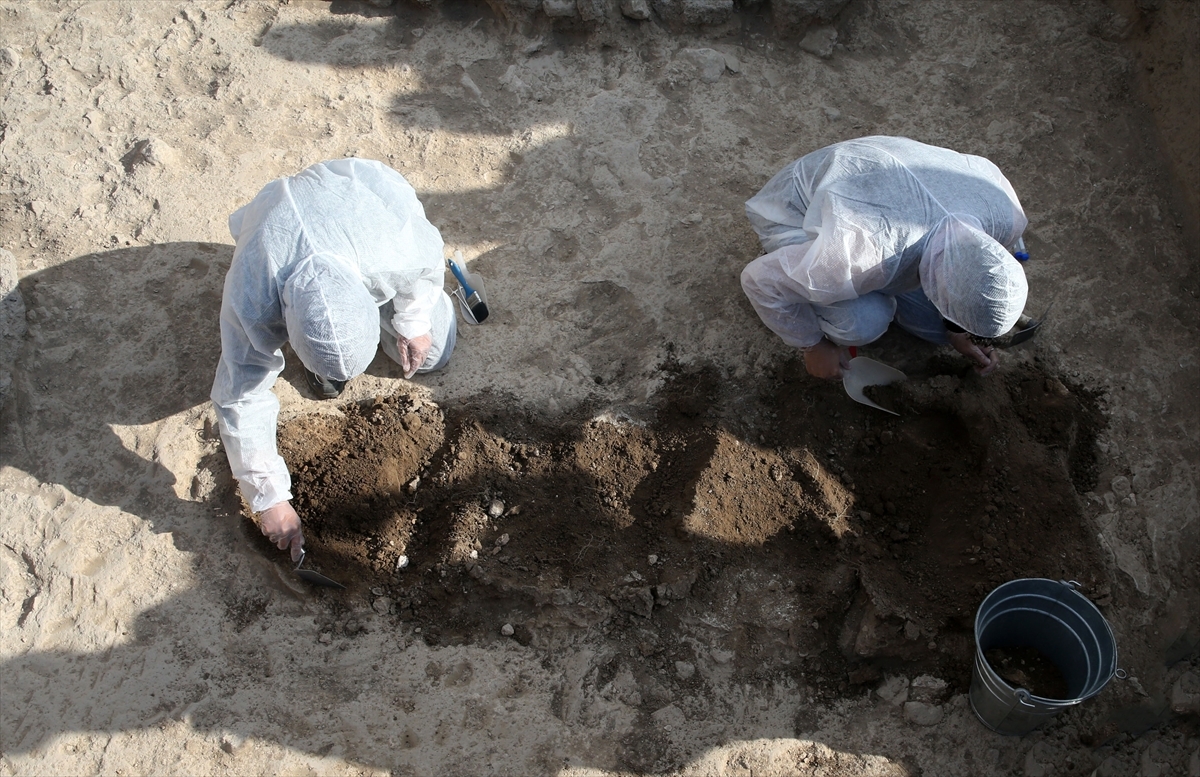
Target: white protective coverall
337 260
868 230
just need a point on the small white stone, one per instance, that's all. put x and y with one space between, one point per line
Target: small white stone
496 508
474 554
413 485
507 630
401 561
653 559
504 538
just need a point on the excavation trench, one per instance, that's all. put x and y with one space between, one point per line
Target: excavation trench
781 531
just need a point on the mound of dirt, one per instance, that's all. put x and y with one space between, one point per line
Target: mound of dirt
789 531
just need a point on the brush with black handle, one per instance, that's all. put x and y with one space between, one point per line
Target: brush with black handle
471 298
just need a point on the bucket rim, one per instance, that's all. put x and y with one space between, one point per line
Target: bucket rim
1099 684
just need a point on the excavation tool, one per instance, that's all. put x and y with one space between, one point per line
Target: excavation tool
864 372
316 578
470 295
1025 329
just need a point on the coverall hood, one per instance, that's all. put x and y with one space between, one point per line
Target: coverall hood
332 321
971 279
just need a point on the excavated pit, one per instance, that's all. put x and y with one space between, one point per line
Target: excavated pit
782 531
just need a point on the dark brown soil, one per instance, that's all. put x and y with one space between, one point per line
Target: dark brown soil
784 530
1026 667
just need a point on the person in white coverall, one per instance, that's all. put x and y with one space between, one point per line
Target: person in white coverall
880 228
336 260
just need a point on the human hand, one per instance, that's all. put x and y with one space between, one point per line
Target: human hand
986 359
413 353
282 527
826 360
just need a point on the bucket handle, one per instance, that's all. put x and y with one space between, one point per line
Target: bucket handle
1023 697
1120 674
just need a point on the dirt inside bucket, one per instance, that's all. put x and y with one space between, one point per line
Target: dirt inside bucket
776 530
1026 667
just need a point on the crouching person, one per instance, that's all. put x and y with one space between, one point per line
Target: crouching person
337 261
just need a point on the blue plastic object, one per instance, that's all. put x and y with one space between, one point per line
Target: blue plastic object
1019 251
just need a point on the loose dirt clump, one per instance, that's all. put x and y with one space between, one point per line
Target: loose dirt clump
782 530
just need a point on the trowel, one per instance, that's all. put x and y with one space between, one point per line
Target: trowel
1025 329
864 372
316 578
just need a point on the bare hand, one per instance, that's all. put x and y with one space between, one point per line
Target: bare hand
826 360
413 353
282 527
986 359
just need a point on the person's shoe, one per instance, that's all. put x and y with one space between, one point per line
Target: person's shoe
323 387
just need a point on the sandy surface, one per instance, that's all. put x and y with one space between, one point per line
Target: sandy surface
597 184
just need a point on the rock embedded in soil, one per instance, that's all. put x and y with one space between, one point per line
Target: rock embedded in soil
894 690
923 714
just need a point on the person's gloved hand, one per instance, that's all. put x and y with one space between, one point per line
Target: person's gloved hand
282 527
826 360
986 359
413 352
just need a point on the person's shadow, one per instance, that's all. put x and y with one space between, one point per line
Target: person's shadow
118 342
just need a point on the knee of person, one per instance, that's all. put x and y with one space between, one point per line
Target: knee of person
439 354
856 330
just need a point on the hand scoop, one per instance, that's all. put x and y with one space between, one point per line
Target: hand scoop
1025 329
316 578
865 372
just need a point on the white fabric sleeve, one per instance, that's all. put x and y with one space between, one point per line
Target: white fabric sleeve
780 301
248 412
414 308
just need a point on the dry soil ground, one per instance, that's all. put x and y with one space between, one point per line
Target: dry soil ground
639 539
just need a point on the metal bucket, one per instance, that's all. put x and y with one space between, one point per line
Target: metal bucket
1061 624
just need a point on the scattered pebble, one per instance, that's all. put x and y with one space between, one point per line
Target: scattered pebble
503 540
377 591
496 509
474 554
507 630
414 484
401 561
382 605
653 559
325 638
685 669
722 656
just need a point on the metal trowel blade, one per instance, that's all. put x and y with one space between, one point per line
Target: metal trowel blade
865 372
316 578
